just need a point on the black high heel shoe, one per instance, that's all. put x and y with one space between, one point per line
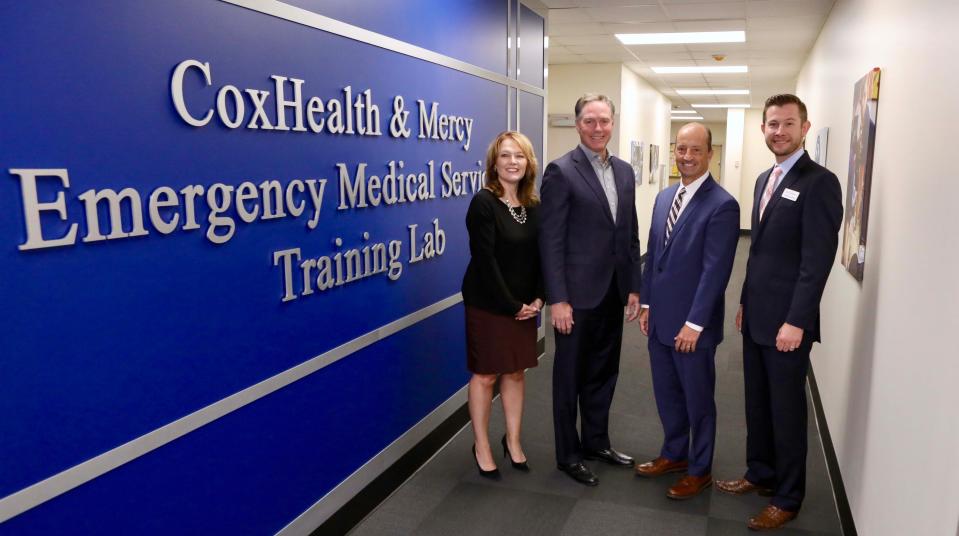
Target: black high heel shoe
492 474
519 466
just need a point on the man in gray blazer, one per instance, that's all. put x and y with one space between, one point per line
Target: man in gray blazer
589 248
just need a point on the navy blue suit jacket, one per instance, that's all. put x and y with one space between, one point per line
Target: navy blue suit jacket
581 247
685 280
792 252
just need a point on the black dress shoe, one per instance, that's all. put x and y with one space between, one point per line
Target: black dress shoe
519 466
579 472
492 474
609 456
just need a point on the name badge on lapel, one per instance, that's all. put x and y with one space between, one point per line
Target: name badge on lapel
791 195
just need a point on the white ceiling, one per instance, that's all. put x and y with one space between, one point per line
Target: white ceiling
779 35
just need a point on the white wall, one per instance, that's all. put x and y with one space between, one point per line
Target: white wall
642 114
888 370
756 159
645 117
733 152
566 84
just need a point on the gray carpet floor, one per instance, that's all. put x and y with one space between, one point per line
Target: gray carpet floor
447 497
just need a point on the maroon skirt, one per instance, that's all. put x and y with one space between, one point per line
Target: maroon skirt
498 344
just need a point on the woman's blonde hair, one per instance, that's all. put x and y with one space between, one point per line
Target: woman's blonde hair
526 190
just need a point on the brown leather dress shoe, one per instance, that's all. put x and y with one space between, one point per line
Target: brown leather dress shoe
660 466
770 518
689 486
741 486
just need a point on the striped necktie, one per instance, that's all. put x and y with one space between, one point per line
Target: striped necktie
771 185
674 212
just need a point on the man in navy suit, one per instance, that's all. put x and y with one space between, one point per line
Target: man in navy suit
589 249
689 256
795 225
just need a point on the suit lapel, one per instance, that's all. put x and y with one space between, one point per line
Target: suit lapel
757 199
788 181
662 212
690 210
585 169
620 179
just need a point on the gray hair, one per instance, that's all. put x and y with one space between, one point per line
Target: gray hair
594 97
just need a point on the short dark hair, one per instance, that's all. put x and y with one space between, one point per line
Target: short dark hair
594 97
782 100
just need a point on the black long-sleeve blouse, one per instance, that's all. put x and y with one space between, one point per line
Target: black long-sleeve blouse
504 269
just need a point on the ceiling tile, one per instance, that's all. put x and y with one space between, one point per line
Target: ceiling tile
670 3
665 58
567 16
590 28
596 49
594 39
710 25
605 58
652 50
682 80
730 80
788 8
717 48
784 22
719 10
633 27
634 14
779 33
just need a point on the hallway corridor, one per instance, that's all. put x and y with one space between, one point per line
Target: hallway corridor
446 497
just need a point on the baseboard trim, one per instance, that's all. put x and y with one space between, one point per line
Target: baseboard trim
846 520
364 502
378 490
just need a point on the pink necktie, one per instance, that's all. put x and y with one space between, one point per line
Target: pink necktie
771 185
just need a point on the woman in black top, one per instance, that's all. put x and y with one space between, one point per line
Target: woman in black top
502 292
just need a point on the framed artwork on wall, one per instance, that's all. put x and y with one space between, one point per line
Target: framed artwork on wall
636 150
822 143
653 162
862 143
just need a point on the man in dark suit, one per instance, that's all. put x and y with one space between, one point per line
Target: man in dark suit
689 256
795 225
589 248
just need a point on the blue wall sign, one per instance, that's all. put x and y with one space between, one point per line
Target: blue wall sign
231 249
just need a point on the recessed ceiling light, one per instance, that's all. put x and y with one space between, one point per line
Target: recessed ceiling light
720 106
675 38
711 69
687 118
684 111
713 91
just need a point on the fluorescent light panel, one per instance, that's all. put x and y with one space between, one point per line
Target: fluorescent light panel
720 106
683 111
712 69
686 118
678 38
713 91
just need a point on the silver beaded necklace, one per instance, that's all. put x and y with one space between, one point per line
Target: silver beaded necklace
520 216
